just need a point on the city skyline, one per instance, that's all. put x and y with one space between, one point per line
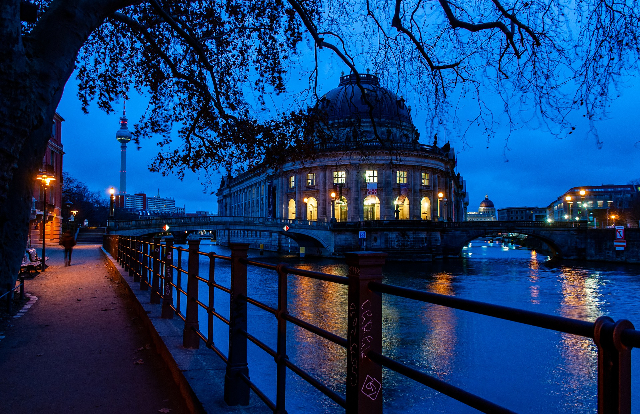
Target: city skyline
530 169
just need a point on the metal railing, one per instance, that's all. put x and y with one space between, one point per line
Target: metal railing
143 257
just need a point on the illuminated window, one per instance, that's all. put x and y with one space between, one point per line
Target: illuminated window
425 178
339 177
401 177
600 203
292 181
311 179
371 176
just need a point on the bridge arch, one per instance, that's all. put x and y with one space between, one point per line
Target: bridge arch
456 244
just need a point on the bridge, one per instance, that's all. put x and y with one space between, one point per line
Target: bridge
411 238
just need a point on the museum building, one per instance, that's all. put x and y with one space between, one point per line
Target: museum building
367 164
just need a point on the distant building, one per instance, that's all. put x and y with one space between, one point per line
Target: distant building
486 211
522 214
52 165
597 204
143 204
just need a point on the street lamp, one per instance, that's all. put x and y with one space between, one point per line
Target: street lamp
333 205
568 198
45 180
440 196
584 206
112 197
613 217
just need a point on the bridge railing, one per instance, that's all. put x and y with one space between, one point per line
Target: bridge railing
152 264
158 223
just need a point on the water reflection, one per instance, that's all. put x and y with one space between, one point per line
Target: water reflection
529 370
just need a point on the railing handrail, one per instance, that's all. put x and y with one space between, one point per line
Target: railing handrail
613 339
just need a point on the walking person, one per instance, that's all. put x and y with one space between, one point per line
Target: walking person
68 242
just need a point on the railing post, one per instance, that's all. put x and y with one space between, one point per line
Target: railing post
190 338
614 366
136 260
281 370
128 260
364 333
211 309
145 264
236 391
155 275
167 298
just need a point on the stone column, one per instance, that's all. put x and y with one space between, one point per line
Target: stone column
323 190
300 205
386 193
355 203
414 206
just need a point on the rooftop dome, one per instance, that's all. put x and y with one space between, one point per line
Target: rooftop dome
346 102
347 112
486 203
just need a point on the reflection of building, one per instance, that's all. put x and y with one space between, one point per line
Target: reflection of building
52 165
522 214
486 211
594 203
365 167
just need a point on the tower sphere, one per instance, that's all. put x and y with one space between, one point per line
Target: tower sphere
123 135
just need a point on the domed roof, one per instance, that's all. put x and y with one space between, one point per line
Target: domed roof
346 102
486 203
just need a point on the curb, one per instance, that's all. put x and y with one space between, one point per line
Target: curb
198 373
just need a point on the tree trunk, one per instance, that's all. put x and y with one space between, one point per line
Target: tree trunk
33 71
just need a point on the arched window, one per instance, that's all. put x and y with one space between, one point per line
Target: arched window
312 209
292 209
425 209
401 208
372 208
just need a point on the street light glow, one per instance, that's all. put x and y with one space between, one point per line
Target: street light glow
582 193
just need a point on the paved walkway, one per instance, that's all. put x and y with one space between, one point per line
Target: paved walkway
78 346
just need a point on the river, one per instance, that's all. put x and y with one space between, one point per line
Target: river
525 369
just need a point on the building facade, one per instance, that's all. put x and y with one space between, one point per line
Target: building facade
602 205
522 214
52 166
367 165
141 203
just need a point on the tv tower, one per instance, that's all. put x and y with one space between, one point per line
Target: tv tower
123 136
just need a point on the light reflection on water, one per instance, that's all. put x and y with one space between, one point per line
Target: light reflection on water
526 369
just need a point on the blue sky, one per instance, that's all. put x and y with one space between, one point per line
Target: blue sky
535 169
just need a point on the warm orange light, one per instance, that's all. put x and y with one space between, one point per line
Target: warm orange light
45 178
582 193
305 199
112 191
333 194
440 195
568 198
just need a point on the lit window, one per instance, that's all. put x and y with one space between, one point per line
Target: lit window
292 181
425 178
371 176
311 179
401 177
600 203
339 177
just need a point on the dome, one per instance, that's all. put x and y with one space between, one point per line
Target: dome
486 203
345 116
346 102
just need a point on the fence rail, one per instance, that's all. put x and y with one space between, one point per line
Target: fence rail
153 264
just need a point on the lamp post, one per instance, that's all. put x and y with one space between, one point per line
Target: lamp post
333 205
440 196
112 199
45 180
584 206
568 198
